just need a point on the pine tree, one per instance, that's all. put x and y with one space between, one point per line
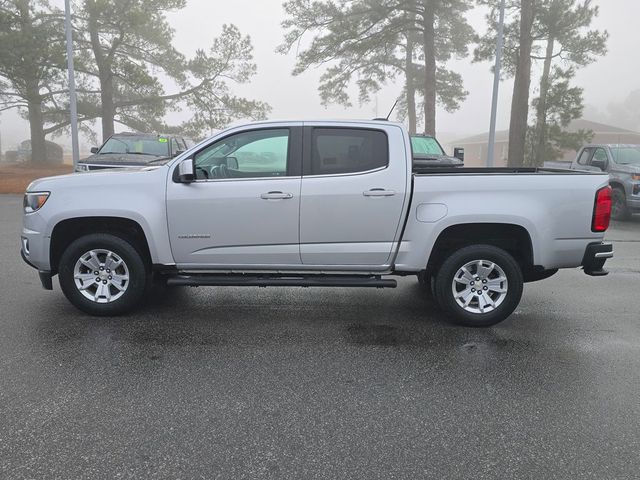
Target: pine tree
126 45
31 64
371 42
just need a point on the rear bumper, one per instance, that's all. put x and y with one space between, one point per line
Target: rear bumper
595 257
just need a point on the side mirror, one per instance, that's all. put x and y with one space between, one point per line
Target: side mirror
599 163
186 171
94 149
232 163
458 152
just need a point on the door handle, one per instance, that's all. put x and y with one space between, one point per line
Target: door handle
379 192
276 195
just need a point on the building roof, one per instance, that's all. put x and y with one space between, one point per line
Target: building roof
574 126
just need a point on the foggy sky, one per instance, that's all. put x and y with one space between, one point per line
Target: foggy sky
608 80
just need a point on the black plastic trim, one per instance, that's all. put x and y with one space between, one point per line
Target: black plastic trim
591 264
46 279
282 281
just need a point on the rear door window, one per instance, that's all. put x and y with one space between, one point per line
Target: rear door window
347 150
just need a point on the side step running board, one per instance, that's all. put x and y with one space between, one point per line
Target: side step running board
281 281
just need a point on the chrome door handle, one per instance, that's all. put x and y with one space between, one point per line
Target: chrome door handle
379 192
276 196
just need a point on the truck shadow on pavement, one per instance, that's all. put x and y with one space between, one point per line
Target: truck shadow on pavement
251 317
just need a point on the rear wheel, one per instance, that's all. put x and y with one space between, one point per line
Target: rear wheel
103 275
479 285
619 209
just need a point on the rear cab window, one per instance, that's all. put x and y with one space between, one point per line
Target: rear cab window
347 150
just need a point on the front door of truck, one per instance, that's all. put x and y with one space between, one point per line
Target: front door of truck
353 195
243 207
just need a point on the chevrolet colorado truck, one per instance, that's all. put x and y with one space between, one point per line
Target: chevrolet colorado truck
314 203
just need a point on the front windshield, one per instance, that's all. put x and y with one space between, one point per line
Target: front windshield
425 146
629 155
137 145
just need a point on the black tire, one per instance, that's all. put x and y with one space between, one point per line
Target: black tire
619 209
444 285
138 273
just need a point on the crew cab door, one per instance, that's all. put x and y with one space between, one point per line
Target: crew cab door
243 208
353 194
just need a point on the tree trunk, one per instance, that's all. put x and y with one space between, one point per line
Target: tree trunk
36 129
33 97
541 121
36 125
411 89
522 82
430 68
107 104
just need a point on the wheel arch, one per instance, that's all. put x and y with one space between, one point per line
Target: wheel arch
70 229
513 238
617 184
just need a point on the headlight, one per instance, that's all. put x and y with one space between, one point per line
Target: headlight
33 201
82 167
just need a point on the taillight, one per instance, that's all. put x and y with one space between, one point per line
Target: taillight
602 210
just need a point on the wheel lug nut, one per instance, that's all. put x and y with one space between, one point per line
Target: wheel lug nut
101 268
108 271
485 288
96 272
110 277
473 283
484 281
473 289
98 279
104 281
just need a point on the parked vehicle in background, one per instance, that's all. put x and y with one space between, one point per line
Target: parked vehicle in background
622 163
318 203
53 151
133 150
427 152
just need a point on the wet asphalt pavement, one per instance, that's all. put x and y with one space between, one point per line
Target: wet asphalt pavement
321 383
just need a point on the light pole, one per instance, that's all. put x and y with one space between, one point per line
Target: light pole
72 85
496 85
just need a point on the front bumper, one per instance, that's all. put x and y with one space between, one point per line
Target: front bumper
633 203
46 278
595 257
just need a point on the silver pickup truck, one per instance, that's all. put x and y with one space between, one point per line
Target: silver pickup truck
314 203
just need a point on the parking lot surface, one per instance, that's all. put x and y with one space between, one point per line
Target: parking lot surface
321 383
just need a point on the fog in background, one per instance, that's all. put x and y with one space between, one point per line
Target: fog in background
607 81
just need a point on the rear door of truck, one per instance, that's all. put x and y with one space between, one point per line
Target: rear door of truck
354 193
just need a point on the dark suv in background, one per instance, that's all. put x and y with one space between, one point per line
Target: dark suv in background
133 150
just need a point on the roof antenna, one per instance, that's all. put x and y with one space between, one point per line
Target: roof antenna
390 112
392 109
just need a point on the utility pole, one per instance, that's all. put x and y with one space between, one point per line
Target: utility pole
496 85
73 101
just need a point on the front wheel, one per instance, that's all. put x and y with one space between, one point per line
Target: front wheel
103 275
479 285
